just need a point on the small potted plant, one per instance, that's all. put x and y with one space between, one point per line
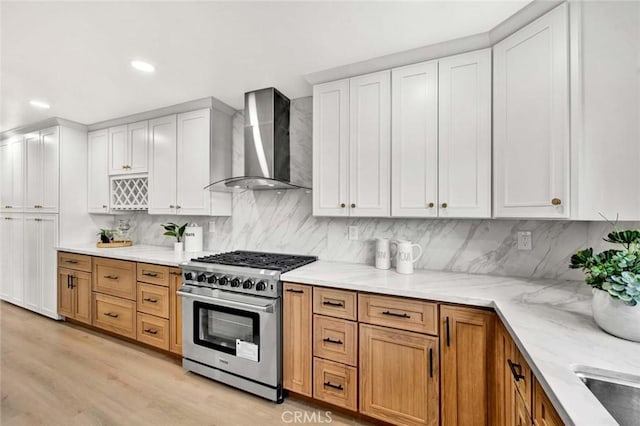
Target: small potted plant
106 235
173 230
615 277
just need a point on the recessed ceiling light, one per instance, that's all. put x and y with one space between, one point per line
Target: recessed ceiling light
143 66
39 104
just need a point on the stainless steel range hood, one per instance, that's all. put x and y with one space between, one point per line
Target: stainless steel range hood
266 145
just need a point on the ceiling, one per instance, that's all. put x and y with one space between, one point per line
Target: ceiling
76 55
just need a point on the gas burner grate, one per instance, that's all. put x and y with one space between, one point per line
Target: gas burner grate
254 259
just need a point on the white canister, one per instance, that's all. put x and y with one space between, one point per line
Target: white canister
193 238
384 252
405 257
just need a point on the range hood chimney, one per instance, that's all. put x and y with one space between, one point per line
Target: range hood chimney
266 144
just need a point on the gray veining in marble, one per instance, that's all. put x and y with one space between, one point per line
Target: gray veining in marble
269 221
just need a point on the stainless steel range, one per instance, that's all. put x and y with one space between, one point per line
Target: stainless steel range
232 318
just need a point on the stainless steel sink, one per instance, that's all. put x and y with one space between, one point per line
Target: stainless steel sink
619 393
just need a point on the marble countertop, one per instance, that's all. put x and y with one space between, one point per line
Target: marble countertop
550 321
136 253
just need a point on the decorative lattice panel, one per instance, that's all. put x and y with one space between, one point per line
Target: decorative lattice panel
129 193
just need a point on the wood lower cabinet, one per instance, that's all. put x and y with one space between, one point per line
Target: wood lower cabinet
153 300
74 294
335 383
297 338
335 339
543 412
153 331
399 376
114 314
175 311
466 346
114 277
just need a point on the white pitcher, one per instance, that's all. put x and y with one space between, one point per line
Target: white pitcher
385 252
405 258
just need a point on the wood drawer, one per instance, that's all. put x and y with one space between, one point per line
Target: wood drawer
335 339
153 299
114 277
397 312
153 274
78 262
153 331
544 413
335 303
335 383
522 376
114 314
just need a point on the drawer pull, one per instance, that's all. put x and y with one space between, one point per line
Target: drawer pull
73 262
293 290
151 300
150 274
336 304
111 277
330 340
446 323
151 331
331 385
68 281
517 375
112 315
394 314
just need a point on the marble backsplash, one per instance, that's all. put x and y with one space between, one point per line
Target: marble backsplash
283 222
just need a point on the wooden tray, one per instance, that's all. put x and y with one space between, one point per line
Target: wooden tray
114 244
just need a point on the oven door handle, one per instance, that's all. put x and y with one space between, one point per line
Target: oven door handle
228 303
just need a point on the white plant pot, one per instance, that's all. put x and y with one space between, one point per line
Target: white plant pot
615 317
178 247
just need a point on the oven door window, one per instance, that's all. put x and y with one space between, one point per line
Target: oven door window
218 327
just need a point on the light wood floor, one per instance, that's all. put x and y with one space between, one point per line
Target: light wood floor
56 373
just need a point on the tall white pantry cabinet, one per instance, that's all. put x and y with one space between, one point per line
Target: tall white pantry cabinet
43 192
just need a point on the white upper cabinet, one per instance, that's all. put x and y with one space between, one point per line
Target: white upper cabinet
331 149
162 165
128 148
42 150
118 150
98 171
193 164
370 145
464 142
12 165
531 120
415 140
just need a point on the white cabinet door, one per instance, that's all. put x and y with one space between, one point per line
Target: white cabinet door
162 165
331 149
98 171
12 257
34 176
531 120
12 163
6 257
370 145
464 143
415 140
50 142
193 163
39 268
118 150
137 150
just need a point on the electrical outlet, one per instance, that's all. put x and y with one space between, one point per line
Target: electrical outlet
353 233
524 240
212 227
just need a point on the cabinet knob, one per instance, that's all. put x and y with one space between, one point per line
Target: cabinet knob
430 205
445 205
556 201
343 205
104 206
178 207
353 205
171 206
8 207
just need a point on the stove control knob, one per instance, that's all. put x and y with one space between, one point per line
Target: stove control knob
188 276
223 281
201 278
212 279
261 286
235 282
247 284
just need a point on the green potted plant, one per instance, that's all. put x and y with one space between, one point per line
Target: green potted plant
106 235
173 230
615 277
